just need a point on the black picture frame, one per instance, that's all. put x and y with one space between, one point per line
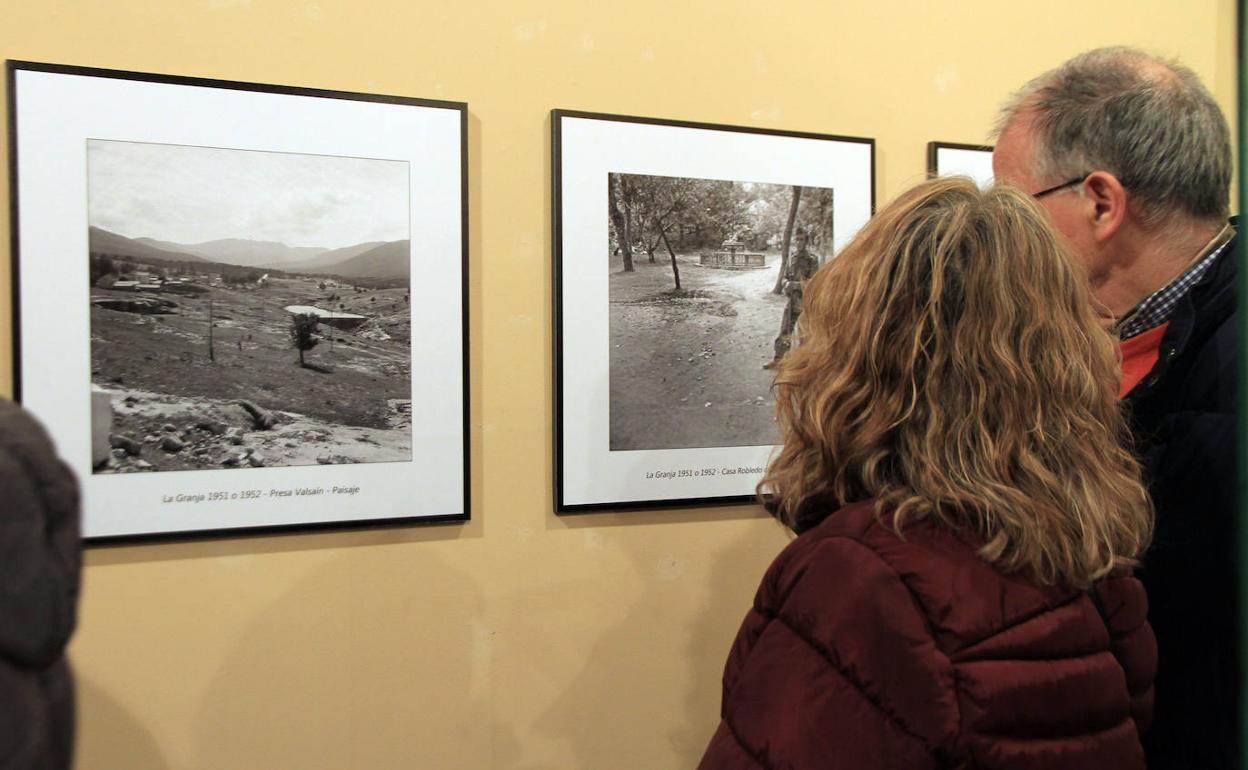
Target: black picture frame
765 156
56 121
934 165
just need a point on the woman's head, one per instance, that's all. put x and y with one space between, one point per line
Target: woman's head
950 365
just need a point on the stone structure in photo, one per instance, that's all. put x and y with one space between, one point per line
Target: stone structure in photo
732 256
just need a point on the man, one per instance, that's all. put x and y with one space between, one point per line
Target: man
801 267
1130 155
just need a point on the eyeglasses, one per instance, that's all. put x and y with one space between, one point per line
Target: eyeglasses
1056 187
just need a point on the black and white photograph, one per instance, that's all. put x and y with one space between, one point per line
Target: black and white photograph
960 159
248 309
239 306
680 254
706 288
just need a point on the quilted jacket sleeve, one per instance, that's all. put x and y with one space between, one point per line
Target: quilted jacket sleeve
834 667
1131 638
40 550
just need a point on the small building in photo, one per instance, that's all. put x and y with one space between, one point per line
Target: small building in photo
346 321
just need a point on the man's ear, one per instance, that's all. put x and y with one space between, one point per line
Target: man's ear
1107 204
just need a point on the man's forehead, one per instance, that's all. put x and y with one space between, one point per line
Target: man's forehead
1018 131
1013 157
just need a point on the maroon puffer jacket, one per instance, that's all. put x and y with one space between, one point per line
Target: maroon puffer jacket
864 650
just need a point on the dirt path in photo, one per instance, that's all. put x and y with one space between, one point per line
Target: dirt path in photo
686 370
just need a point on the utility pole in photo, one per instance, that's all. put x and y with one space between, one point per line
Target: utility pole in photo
211 354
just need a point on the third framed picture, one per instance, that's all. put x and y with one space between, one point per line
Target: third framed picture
953 159
679 253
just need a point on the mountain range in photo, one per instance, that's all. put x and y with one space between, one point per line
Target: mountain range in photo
375 259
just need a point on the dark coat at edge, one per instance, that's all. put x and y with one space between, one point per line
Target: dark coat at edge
1183 416
40 567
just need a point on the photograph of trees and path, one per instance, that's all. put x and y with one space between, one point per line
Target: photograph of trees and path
705 283
248 309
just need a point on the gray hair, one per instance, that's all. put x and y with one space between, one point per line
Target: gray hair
1148 121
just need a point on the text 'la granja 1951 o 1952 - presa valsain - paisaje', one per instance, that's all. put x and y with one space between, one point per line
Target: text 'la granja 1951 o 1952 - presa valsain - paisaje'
253 494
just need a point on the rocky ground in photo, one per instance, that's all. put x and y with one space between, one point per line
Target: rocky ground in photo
687 366
156 432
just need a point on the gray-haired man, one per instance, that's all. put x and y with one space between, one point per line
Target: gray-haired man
1130 155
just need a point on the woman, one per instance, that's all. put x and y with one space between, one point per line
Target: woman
969 605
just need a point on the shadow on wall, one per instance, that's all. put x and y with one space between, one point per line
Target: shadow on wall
605 715
112 737
395 676
229 544
735 574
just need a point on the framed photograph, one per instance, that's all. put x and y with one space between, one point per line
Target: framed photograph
680 250
951 159
241 306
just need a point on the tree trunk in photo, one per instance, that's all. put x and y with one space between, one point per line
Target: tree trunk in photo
614 210
301 363
628 243
675 267
788 238
620 217
651 245
816 235
829 229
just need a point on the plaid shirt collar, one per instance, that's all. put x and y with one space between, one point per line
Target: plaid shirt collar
1157 307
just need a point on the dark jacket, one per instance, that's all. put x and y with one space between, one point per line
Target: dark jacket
40 558
1183 418
864 650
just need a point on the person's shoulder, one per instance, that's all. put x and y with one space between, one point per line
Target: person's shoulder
873 526
28 454
963 596
21 432
839 605
821 519
834 544
848 540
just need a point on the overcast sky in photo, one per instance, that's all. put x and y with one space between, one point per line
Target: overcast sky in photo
191 195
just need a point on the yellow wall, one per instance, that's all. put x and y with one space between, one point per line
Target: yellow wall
520 640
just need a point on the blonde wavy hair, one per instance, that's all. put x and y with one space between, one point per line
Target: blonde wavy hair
949 366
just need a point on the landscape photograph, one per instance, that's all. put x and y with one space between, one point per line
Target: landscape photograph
247 309
704 282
